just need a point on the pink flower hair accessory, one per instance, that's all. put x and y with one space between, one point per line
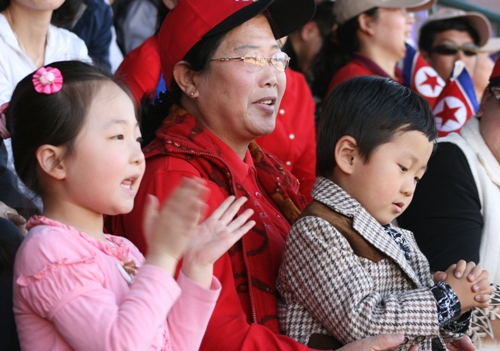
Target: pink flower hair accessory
47 80
4 133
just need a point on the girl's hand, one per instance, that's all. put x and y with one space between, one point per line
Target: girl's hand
213 238
168 230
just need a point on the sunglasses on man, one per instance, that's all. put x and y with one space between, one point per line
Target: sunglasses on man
451 49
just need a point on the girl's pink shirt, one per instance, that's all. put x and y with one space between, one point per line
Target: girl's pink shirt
70 294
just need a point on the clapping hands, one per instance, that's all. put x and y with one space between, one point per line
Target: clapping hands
174 230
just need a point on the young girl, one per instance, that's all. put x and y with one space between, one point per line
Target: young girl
347 272
76 141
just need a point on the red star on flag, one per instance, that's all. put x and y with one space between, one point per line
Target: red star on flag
431 80
448 113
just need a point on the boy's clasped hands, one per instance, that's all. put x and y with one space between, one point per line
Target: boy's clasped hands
470 283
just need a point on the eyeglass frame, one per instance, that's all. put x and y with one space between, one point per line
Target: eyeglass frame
268 59
468 50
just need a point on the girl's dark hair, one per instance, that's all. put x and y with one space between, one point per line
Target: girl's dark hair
337 50
371 110
36 119
62 16
429 30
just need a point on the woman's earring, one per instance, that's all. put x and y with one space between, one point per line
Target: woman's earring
192 94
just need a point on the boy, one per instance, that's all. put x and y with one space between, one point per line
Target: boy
346 271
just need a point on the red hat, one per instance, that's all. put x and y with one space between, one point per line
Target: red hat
192 20
496 70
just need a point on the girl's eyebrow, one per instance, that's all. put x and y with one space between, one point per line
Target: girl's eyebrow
118 121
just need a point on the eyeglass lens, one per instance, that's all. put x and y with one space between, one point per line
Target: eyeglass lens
279 60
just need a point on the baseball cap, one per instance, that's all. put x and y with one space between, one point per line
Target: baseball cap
477 20
344 10
192 20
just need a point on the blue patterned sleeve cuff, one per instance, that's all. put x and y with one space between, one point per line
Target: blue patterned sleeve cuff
448 304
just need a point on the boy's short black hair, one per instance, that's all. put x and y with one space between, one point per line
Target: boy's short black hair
429 30
371 110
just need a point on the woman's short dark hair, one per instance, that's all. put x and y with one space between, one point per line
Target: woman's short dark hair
36 119
429 30
371 110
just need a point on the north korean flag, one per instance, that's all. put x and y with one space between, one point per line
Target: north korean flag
420 77
457 102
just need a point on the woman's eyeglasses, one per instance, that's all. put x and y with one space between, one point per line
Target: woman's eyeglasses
256 60
450 49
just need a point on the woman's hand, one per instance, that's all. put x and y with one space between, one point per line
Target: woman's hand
213 238
12 215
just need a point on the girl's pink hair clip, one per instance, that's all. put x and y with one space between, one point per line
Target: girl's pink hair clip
47 80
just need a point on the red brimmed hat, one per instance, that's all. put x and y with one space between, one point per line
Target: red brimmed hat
192 20
496 70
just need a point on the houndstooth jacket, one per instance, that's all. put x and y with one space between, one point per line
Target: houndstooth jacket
327 287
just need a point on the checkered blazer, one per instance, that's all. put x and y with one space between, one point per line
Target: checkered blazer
327 287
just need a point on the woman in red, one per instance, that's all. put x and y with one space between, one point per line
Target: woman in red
224 72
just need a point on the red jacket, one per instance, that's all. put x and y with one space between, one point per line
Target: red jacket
360 65
245 315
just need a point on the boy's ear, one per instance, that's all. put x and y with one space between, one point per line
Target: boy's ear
346 152
50 160
186 78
